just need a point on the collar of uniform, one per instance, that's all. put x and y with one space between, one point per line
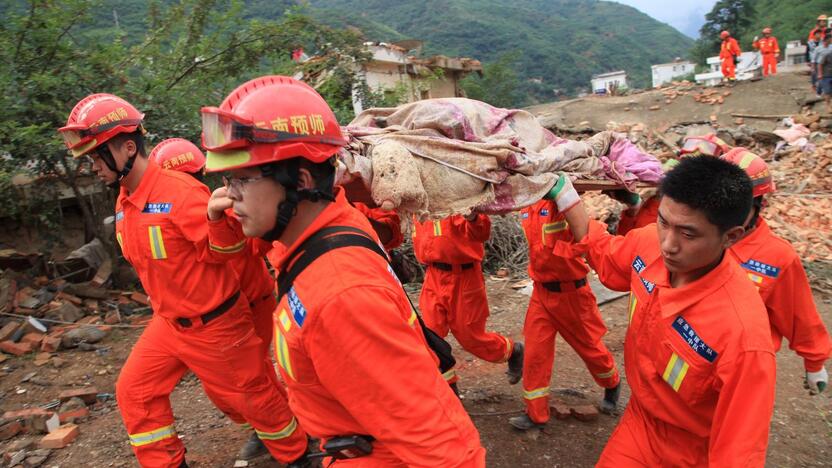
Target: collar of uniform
753 242
674 300
327 216
139 197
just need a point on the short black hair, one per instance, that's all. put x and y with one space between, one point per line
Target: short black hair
717 188
138 139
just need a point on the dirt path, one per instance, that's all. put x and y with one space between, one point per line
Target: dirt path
801 427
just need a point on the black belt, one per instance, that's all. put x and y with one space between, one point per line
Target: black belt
558 286
449 267
207 317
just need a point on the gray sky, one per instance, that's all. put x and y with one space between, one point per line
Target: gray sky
685 15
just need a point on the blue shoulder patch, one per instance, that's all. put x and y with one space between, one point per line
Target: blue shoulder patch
692 339
761 268
639 266
296 306
544 212
524 215
157 208
119 216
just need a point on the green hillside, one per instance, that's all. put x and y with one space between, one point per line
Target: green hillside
790 20
561 42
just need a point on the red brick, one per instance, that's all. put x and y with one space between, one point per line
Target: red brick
8 330
70 298
18 349
72 415
585 412
560 410
33 338
140 298
62 437
51 343
88 394
34 419
10 429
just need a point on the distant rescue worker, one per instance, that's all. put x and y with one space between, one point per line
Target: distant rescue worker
775 268
358 369
256 282
819 31
729 53
770 50
201 321
698 352
453 293
562 303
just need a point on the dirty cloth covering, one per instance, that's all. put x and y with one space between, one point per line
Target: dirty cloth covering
446 156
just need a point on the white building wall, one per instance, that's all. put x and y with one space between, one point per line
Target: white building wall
606 82
665 73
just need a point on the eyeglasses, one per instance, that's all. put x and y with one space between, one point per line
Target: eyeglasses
223 130
238 184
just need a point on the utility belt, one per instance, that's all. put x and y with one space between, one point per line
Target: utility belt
207 317
564 286
450 267
346 447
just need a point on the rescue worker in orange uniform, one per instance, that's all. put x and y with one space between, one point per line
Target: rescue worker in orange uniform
453 293
201 320
562 302
770 51
256 282
774 267
729 53
698 350
347 340
818 32
386 224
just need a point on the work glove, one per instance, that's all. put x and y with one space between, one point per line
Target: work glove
756 38
816 381
624 196
563 193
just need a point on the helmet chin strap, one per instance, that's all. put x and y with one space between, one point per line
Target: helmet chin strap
288 208
110 161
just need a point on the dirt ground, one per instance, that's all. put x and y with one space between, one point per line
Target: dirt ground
801 428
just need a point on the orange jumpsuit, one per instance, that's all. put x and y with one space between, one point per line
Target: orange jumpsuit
571 311
388 218
258 285
698 358
728 50
355 361
647 213
179 256
453 293
773 265
769 48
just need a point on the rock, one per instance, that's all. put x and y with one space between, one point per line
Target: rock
75 336
57 362
88 395
50 343
584 413
113 317
503 273
8 330
62 437
9 429
739 121
66 312
86 291
654 108
560 410
33 461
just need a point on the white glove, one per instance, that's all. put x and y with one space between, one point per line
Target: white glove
817 381
563 193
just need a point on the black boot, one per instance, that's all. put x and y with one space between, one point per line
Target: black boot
252 449
515 364
610 402
524 423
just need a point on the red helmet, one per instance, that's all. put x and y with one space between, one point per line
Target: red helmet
766 30
178 154
96 119
707 145
269 119
724 34
755 167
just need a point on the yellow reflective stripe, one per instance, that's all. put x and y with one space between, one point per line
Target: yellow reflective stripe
245 426
509 346
606 375
437 228
282 351
675 371
144 438
281 434
120 242
285 322
157 244
755 278
632 307
747 159
229 249
412 317
551 228
536 393
449 375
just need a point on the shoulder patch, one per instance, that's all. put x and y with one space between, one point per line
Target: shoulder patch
639 266
692 339
119 216
761 268
544 212
524 215
296 306
157 208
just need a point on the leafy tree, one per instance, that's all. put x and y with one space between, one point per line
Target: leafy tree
734 16
499 85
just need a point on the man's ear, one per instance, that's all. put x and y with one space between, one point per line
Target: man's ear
731 236
305 179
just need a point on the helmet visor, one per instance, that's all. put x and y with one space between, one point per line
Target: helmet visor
701 146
